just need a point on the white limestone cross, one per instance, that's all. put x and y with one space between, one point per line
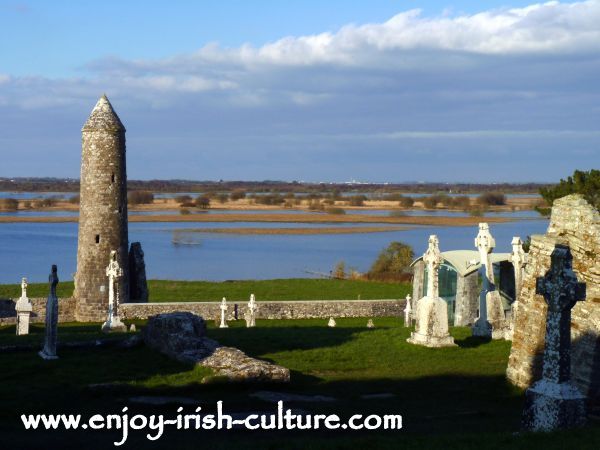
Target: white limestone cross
433 258
223 311
491 322
23 308
50 343
252 307
114 272
485 244
408 312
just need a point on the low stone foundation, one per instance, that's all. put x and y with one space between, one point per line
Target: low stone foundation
66 310
272 310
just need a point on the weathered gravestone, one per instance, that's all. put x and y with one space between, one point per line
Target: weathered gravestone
518 257
492 320
250 315
554 401
49 350
331 323
408 312
431 329
370 324
23 308
138 285
223 307
114 272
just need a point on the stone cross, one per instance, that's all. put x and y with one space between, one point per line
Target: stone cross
408 312
114 272
251 320
433 259
554 401
485 243
49 350
23 308
561 291
223 311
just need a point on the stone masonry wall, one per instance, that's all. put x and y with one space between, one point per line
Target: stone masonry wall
272 310
577 224
66 310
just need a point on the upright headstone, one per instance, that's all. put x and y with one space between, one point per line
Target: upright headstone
49 350
331 323
114 272
370 324
251 313
431 328
408 312
518 257
23 308
492 320
223 307
138 285
554 401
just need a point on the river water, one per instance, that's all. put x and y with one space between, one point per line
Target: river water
29 249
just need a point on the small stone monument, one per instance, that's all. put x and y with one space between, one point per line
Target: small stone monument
114 272
23 308
223 312
251 312
518 258
408 312
554 401
331 322
492 320
132 328
432 311
49 350
370 324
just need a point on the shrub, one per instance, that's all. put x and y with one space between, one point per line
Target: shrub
491 199
203 202
430 202
238 194
585 183
74 199
9 204
26 204
315 205
392 263
357 200
462 202
222 198
405 202
182 199
184 211
140 197
333 210
339 271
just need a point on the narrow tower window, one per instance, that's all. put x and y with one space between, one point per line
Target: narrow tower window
112 178
97 239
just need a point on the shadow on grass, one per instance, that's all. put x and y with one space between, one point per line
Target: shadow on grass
472 342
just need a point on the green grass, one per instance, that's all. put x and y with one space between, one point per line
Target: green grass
265 290
453 398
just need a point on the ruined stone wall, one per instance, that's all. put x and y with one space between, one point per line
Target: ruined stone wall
577 224
66 310
273 310
102 212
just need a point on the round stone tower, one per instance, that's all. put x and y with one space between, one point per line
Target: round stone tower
102 212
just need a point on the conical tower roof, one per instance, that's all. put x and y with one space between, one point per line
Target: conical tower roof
103 117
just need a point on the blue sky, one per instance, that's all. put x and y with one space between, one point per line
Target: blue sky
306 90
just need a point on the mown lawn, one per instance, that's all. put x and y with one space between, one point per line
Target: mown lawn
265 290
454 398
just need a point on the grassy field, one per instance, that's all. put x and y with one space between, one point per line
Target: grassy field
454 398
265 290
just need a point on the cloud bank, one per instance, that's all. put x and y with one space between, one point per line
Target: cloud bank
490 95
